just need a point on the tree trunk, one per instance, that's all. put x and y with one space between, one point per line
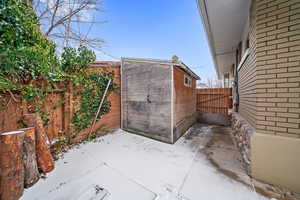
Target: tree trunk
11 165
44 157
31 171
43 154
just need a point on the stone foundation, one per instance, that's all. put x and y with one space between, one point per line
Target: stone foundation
242 132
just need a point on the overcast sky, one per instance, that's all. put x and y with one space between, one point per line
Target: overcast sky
155 29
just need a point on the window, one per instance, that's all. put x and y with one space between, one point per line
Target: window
243 48
242 58
187 81
247 43
239 52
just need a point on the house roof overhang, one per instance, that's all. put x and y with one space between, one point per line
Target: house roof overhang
224 22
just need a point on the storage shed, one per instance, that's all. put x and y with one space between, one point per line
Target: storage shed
158 98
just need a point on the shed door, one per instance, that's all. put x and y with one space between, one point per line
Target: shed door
146 99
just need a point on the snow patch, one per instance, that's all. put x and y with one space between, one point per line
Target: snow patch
133 167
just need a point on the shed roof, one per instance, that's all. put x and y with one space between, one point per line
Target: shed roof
169 62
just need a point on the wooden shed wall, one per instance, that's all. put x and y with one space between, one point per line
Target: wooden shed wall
146 99
184 97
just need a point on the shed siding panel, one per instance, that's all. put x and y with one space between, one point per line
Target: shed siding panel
184 97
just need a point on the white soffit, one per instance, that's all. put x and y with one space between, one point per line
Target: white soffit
224 22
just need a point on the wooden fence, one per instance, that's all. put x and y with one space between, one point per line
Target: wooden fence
53 107
214 100
59 106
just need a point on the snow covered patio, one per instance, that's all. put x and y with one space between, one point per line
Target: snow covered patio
123 166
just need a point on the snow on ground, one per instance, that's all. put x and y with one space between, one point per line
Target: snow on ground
123 166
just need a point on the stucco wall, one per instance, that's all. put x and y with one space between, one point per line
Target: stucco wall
247 77
275 160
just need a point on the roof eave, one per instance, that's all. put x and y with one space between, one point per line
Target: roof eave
189 71
205 21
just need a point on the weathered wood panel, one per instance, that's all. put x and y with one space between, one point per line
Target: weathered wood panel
146 99
184 97
214 100
184 103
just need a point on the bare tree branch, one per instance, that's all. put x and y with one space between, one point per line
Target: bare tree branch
54 14
69 21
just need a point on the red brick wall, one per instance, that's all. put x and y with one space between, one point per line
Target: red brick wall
113 118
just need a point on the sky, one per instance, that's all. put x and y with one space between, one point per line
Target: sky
155 29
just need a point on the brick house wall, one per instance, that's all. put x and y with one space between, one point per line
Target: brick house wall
277 134
278 67
267 125
247 76
269 89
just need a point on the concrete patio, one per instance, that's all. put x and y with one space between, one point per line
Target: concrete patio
130 167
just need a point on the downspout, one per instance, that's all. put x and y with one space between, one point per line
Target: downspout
236 86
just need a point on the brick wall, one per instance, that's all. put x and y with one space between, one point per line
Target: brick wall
247 77
278 67
111 120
